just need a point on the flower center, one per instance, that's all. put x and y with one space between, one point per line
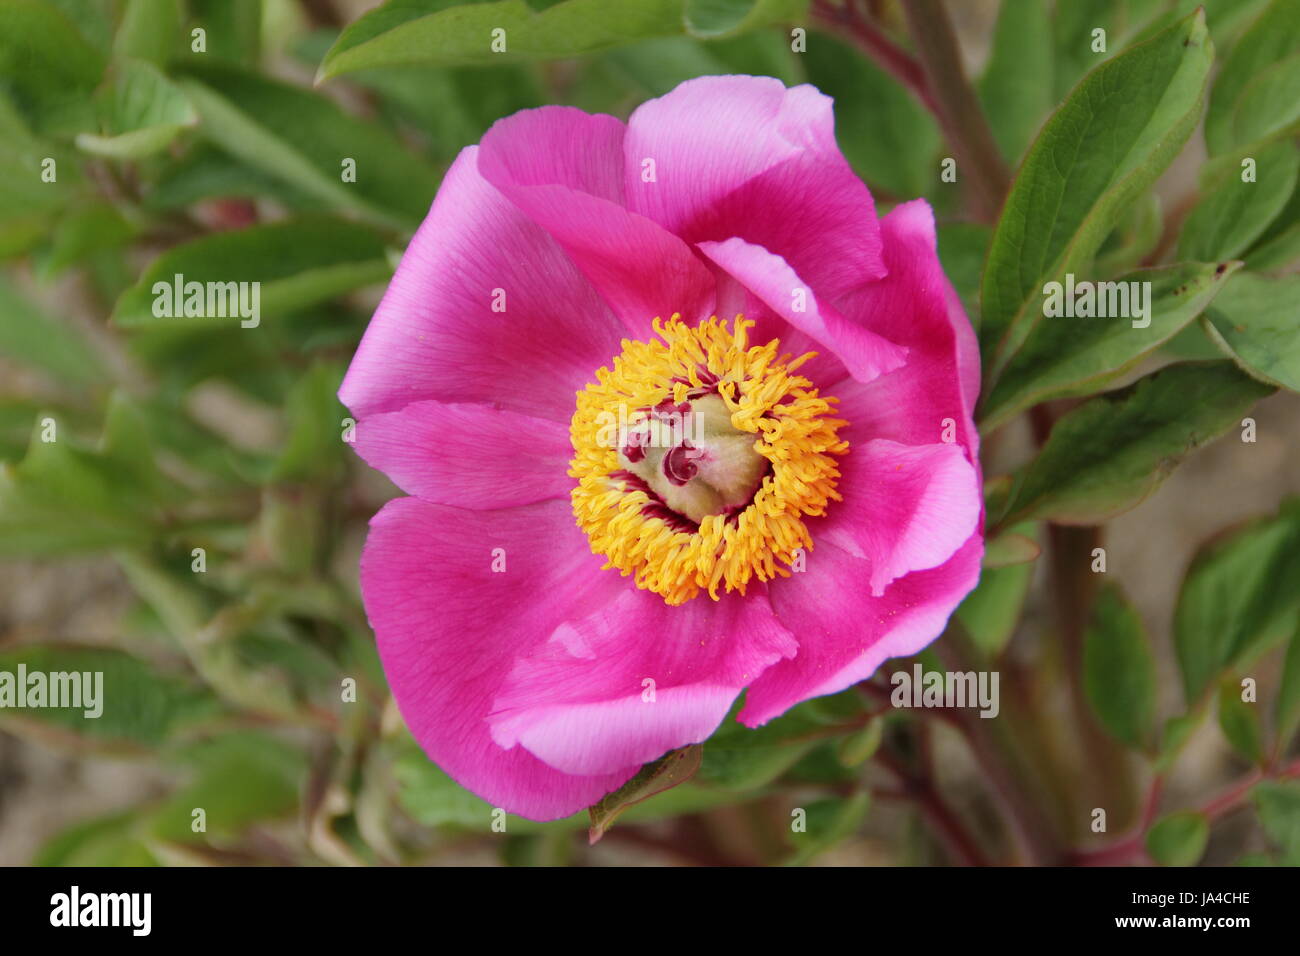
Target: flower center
697 458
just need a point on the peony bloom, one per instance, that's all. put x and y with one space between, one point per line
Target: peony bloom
678 417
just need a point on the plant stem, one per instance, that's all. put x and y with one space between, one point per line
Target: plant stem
1033 831
950 830
957 107
1133 847
877 47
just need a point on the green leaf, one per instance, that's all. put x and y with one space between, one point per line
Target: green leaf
670 770
1278 806
46 65
991 612
433 799
1273 37
1241 595
1119 670
1073 26
30 337
206 173
298 263
141 113
62 499
1288 696
1010 548
113 840
741 758
233 28
1239 721
1016 88
1064 357
1254 322
1108 454
428 32
241 778
962 247
138 705
314 450
303 139
1177 732
425 32
148 31
828 823
889 138
1179 839
1136 236
1101 149
660 64
87 229
1232 214
716 18
1270 104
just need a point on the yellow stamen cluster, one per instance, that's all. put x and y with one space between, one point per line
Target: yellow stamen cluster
793 428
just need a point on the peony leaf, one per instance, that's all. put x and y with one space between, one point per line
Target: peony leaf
63 498
1241 595
1016 88
1179 839
1009 549
47 66
29 336
1272 37
1119 670
1233 213
303 139
991 612
299 263
1097 153
428 32
1288 695
149 30
1064 357
717 18
1255 322
827 823
1240 722
241 778
889 138
140 706
665 773
1278 806
113 840
1108 454
141 112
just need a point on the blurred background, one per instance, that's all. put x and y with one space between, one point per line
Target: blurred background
225 666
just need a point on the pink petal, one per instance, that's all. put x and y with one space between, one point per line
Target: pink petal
580 702
449 630
863 353
436 336
471 456
563 169
915 307
845 635
905 508
745 156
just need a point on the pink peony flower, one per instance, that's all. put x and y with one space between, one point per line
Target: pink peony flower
628 504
